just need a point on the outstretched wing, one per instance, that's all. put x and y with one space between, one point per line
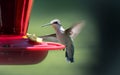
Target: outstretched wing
75 29
50 38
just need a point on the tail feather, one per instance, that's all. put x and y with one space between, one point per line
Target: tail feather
71 60
69 54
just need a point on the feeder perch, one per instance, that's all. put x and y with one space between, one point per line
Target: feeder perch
15 47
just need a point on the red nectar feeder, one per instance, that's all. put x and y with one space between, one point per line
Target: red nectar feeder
14 48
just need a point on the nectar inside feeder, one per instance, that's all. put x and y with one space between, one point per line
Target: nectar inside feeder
15 47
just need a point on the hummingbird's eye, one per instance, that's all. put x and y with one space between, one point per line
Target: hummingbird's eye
55 23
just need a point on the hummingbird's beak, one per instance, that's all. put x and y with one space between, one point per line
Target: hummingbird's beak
46 25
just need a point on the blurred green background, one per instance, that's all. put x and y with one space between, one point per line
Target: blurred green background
69 12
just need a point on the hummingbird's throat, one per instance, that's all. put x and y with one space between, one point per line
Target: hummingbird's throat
62 29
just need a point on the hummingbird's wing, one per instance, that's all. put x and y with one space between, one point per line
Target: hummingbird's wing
50 38
75 30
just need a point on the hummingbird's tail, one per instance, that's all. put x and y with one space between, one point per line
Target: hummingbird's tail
71 60
69 54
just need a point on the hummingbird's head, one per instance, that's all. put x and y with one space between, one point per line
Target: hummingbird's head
53 22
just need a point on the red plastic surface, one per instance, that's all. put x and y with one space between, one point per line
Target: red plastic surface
22 57
14 16
16 50
19 43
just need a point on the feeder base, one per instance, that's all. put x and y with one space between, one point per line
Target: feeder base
16 50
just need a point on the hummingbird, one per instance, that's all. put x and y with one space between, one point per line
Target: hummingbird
64 37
